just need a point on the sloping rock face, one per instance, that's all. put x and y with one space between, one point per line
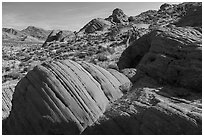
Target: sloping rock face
118 16
53 36
63 98
97 24
7 95
149 110
171 54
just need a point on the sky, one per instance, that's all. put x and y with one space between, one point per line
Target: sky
65 15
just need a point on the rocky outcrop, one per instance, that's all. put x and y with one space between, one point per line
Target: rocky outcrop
53 37
147 17
184 14
165 6
149 110
63 98
171 54
192 14
118 16
97 24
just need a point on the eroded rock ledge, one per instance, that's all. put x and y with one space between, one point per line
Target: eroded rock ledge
171 54
149 110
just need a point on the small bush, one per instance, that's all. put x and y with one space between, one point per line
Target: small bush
14 75
102 57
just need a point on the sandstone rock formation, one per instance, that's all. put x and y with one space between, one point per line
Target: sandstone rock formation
170 54
161 58
62 98
97 24
51 38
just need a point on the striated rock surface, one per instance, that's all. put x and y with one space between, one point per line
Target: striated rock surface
150 110
170 54
62 98
7 95
97 24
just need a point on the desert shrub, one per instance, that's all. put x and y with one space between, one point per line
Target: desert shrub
22 64
7 69
111 50
14 75
113 66
102 57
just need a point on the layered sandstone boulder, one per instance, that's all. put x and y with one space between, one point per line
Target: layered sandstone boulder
53 36
170 54
63 98
97 24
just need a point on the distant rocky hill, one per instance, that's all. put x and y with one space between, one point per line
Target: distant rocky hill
11 34
12 31
36 32
31 34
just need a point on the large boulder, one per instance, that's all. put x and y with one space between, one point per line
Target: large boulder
165 6
63 98
118 16
170 54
